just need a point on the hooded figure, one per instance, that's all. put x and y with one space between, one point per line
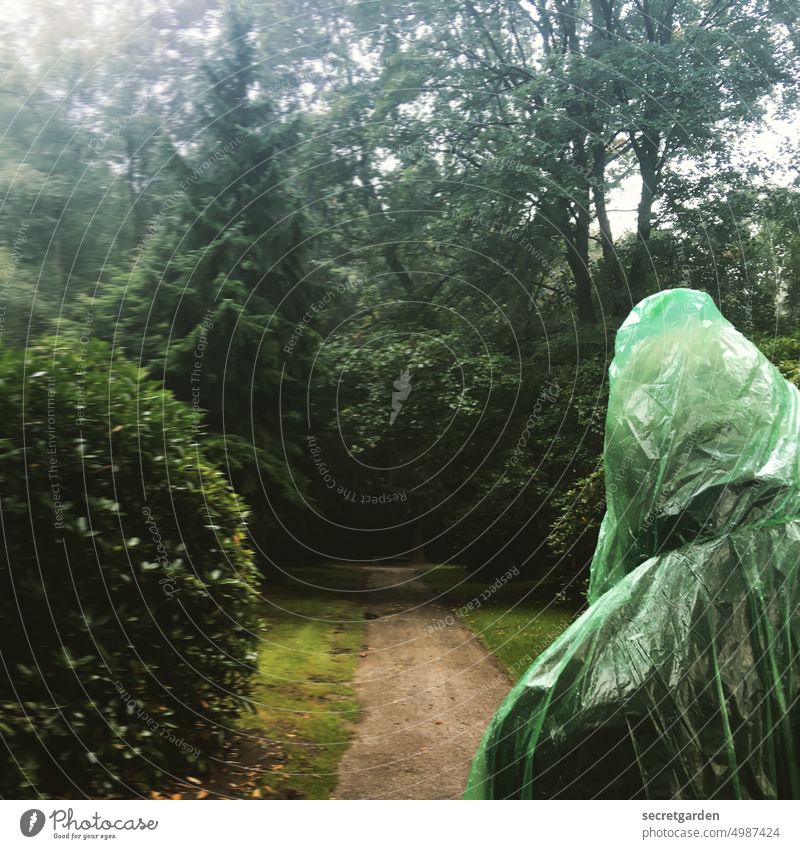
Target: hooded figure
682 679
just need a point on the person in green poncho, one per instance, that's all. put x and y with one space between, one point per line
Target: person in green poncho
682 679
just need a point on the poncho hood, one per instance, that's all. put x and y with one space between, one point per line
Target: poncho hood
700 435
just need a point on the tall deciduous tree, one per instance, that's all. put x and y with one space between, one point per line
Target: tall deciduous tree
580 90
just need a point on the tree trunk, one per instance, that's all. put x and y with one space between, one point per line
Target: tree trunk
577 246
392 256
610 258
647 154
130 174
418 541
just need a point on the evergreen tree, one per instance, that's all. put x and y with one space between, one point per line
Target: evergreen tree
219 286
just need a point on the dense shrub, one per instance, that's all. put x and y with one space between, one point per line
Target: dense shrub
784 352
126 588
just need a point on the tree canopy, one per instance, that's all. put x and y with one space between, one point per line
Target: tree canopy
377 248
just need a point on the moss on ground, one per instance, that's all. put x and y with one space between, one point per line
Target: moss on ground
305 704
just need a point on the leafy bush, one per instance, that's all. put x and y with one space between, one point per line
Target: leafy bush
126 588
784 352
573 535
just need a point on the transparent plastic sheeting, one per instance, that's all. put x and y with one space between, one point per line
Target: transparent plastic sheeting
682 678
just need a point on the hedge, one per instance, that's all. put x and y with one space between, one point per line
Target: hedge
126 586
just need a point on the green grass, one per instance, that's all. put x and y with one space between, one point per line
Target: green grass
512 622
306 703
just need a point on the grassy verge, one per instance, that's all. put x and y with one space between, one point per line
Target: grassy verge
305 702
511 620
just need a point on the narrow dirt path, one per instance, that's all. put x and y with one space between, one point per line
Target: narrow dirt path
427 689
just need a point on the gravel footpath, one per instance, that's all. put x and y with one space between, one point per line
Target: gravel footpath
427 689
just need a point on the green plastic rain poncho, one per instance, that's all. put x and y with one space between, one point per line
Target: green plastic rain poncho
682 678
